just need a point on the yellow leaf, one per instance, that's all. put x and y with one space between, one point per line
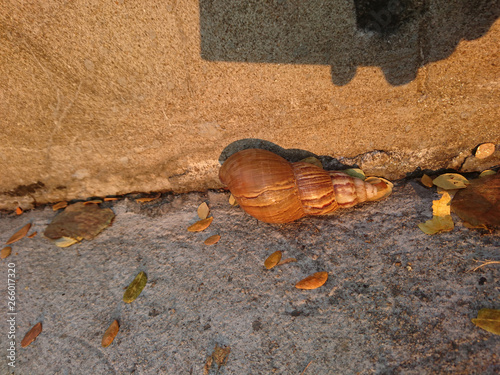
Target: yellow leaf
355 172
201 225
426 181
135 288
203 211
312 282
66 241
313 160
272 260
487 172
19 234
441 207
437 224
489 320
450 181
232 200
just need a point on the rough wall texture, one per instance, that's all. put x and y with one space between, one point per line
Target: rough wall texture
100 98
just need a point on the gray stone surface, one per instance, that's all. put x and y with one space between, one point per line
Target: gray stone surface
397 301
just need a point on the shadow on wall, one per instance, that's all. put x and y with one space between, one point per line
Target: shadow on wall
399 36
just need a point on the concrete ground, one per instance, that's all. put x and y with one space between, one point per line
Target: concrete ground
397 301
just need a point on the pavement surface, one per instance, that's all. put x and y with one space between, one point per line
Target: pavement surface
397 301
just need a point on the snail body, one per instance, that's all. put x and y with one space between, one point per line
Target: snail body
273 190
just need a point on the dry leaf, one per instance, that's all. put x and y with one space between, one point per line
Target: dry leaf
6 251
93 201
287 260
66 241
19 234
107 199
110 334
355 172
451 181
272 260
203 211
59 205
79 221
31 335
426 181
479 203
313 160
148 199
487 172
219 356
33 234
489 320
312 282
485 150
201 225
135 288
212 240
232 200
441 220
19 211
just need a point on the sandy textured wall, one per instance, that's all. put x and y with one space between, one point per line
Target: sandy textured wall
100 98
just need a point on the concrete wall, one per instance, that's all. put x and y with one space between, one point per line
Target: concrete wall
101 98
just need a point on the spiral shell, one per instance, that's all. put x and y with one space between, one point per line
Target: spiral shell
273 190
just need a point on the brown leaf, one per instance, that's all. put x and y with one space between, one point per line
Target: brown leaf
33 234
148 199
426 181
201 225
203 211
212 240
107 199
19 234
6 251
79 221
312 282
273 259
219 356
479 203
93 201
59 205
135 288
110 334
31 335
286 261
19 211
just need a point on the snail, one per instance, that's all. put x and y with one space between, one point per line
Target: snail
273 190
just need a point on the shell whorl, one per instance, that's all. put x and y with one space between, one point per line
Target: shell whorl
273 190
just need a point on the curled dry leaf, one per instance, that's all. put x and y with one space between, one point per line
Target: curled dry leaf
203 211
31 335
489 320
484 150
273 260
355 172
33 234
6 251
59 205
110 334
201 225
312 282
426 181
451 181
148 199
313 160
232 200
212 240
19 234
93 201
107 199
135 288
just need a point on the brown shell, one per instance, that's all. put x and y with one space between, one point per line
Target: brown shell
273 190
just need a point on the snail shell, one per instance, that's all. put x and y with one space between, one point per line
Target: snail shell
273 190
